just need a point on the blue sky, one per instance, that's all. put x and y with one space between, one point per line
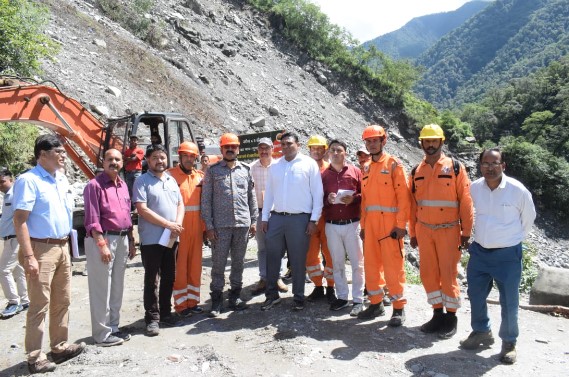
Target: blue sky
367 19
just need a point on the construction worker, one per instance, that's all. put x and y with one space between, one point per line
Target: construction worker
440 223
189 259
385 212
229 210
317 147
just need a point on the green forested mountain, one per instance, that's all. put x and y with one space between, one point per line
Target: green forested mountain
422 32
508 39
529 118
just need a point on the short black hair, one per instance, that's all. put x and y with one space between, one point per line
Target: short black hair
290 134
155 148
5 172
158 137
336 141
495 149
133 137
45 143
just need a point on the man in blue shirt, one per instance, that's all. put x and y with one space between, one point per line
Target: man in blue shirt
12 276
42 220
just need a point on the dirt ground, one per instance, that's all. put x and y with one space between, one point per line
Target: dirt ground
280 342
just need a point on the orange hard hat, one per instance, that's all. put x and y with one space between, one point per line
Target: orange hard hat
228 139
373 131
189 148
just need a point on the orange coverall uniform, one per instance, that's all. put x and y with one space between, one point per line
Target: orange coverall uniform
385 205
189 259
441 211
316 271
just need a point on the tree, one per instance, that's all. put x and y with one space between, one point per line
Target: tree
22 42
17 145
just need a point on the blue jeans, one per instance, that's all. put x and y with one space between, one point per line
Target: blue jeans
504 266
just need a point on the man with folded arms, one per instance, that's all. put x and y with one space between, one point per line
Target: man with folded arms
43 205
343 226
108 245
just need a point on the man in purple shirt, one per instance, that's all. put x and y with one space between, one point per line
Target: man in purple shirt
342 198
108 244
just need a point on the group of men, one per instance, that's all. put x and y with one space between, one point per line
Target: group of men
299 205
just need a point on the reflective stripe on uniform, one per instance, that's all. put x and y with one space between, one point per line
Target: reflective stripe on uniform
396 298
191 208
179 291
439 226
328 273
180 300
437 203
382 208
193 297
434 297
192 288
451 302
374 293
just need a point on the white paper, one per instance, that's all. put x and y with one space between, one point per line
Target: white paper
74 243
165 237
342 194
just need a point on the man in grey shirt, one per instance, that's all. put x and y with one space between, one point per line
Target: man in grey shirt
229 210
160 207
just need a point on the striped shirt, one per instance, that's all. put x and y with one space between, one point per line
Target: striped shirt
260 174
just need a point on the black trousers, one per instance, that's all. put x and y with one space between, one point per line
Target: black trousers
159 271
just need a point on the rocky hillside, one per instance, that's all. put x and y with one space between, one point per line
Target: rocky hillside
221 64
227 69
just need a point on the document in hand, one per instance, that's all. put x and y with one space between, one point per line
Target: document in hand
166 238
342 194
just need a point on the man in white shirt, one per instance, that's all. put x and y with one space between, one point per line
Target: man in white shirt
504 213
292 205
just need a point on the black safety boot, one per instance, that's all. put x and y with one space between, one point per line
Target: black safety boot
216 303
235 302
372 311
435 323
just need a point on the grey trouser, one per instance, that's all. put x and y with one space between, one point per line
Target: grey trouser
106 283
12 275
287 233
230 241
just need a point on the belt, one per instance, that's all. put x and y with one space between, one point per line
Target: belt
52 241
117 232
343 222
288 213
9 237
260 209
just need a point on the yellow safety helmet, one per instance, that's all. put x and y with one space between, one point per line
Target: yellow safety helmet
317 140
432 131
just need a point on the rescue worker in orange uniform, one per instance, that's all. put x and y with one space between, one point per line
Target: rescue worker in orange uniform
440 223
385 212
189 260
317 146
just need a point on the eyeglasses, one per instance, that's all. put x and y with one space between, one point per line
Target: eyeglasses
492 165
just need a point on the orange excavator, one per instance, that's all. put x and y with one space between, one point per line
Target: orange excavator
84 136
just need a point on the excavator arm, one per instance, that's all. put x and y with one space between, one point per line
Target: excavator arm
48 107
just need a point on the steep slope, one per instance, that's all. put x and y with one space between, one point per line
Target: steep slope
222 65
421 33
508 39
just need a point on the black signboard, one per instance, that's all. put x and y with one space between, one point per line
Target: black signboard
249 143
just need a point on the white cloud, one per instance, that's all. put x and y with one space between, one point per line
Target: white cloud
367 19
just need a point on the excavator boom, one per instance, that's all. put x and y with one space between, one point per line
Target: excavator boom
48 107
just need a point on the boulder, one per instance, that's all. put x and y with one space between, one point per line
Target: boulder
551 287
